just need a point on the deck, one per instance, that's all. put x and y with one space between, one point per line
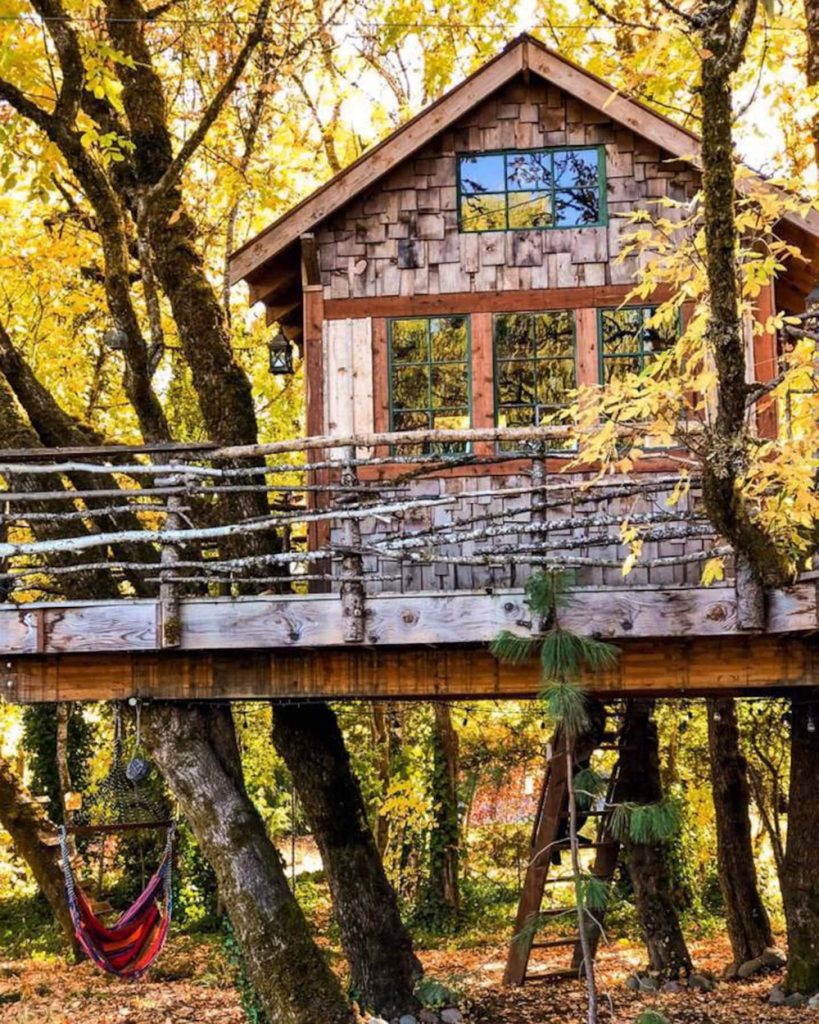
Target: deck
337 568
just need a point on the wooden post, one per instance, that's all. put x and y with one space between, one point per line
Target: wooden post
750 598
539 513
352 587
169 624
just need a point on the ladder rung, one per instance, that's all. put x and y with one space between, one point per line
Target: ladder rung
558 911
566 975
552 943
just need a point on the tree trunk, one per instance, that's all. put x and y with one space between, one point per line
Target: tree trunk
444 843
383 967
748 926
800 890
196 750
63 769
812 63
639 782
381 739
36 840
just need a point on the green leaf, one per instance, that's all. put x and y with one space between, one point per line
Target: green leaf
567 705
548 590
513 649
646 823
651 1017
593 892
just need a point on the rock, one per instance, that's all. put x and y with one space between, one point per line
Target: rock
701 982
772 958
797 999
750 967
377 1020
813 1002
407 1018
428 1017
649 983
777 996
672 986
633 983
451 1015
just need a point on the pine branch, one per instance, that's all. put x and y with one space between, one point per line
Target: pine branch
512 649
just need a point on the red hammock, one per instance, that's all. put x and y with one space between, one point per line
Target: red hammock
129 946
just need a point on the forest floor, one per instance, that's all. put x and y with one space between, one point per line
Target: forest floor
193 984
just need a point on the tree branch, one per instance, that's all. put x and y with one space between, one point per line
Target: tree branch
67 44
192 143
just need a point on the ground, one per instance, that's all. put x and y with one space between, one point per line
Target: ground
192 984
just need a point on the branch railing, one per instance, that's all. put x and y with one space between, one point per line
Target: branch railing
425 509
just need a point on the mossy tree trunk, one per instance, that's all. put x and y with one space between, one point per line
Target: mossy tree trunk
639 782
444 855
196 750
36 840
748 926
800 877
383 966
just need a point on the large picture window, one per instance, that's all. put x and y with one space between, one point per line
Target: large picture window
534 367
429 377
534 188
628 341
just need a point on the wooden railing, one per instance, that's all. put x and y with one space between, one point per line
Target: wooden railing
357 515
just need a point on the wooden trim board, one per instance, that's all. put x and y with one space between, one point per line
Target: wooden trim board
313 621
709 665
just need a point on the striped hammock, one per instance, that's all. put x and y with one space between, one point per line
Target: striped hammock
129 946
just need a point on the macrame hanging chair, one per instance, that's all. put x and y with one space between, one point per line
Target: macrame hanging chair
128 946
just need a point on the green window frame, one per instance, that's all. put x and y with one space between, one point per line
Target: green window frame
535 365
625 342
532 189
430 378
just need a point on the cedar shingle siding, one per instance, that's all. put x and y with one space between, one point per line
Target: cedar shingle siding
402 237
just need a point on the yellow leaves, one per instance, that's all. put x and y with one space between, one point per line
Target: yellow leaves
628 535
681 489
713 571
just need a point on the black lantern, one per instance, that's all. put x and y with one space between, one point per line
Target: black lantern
280 353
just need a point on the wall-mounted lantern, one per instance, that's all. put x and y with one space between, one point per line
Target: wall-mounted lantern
280 353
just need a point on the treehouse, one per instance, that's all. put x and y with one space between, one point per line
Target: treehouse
447 292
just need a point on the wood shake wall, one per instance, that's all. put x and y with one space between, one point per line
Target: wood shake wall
359 247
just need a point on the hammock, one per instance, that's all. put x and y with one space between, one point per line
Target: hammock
129 946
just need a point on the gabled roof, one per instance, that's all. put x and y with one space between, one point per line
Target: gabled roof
524 55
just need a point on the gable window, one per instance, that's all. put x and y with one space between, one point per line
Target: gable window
628 342
534 367
429 377
532 188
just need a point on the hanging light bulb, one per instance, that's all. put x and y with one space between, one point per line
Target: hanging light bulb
717 716
811 726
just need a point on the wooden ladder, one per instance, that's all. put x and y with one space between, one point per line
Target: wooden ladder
551 814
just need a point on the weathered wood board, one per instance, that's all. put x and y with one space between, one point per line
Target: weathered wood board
309 621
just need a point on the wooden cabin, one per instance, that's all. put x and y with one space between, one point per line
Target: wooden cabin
462 275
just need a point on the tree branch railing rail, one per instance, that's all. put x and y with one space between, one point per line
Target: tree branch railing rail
432 508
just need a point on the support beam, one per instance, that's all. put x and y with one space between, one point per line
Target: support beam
734 666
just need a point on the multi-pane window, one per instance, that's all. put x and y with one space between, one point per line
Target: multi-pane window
534 367
429 377
534 188
628 341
